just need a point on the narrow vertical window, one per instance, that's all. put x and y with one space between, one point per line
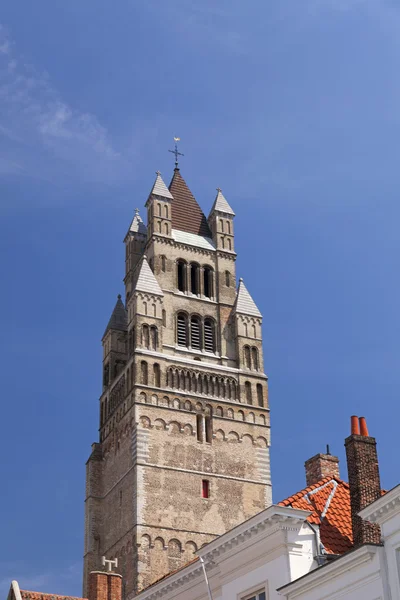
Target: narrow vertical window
247 387
163 263
182 332
194 278
157 375
229 244
159 226
227 279
199 427
195 333
207 282
209 335
166 211
159 209
247 362
166 228
228 225
153 337
254 358
208 427
181 268
260 396
164 318
144 373
205 488
145 336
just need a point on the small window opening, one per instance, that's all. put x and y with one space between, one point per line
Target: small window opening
205 488
195 330
207 282
247 387
227 279
157 375
199 427
144 373
209 341
181 276
163 263
260 396
194 278
182 330
164 318
208 427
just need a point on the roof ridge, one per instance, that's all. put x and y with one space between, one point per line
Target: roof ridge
313 486
52 594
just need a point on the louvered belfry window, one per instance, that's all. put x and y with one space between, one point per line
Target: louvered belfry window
209 342
195 333
182 330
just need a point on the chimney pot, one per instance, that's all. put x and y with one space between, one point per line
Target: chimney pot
363 427
355 425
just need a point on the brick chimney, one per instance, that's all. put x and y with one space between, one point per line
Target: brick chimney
364 480
105 586
320 466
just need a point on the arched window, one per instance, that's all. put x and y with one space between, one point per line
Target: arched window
209 335
229 244
246 330
228 225
182 330
223 242
181 275
254 357
166 211
144 372
145 336
260 397
159 209
194 278
247 362
208 282
164 318
227 279
166 228
153 337
195 333
254 331
159 226
222 225
247 387
157 375
163 263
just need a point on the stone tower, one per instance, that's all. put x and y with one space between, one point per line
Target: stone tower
183 452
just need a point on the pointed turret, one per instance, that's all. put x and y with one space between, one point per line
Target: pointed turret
159 209
135 241
221 204
146 281
114 343
186 213
118 320
220 220
245 304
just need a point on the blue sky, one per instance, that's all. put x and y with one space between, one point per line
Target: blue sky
292 108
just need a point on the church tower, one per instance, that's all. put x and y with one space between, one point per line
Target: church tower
183 450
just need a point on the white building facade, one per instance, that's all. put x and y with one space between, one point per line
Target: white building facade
273 556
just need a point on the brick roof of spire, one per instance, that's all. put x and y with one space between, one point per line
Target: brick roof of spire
186 213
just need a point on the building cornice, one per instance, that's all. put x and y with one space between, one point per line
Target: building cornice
314 579
384 508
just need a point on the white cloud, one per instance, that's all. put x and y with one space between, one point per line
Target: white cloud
34 119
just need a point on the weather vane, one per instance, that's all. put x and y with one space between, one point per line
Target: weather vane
176 140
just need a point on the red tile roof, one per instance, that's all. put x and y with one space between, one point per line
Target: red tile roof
186 213
329 499
26 595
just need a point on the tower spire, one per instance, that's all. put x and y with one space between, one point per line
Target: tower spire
176 152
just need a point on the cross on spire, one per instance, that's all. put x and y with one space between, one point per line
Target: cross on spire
109 563
176 140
